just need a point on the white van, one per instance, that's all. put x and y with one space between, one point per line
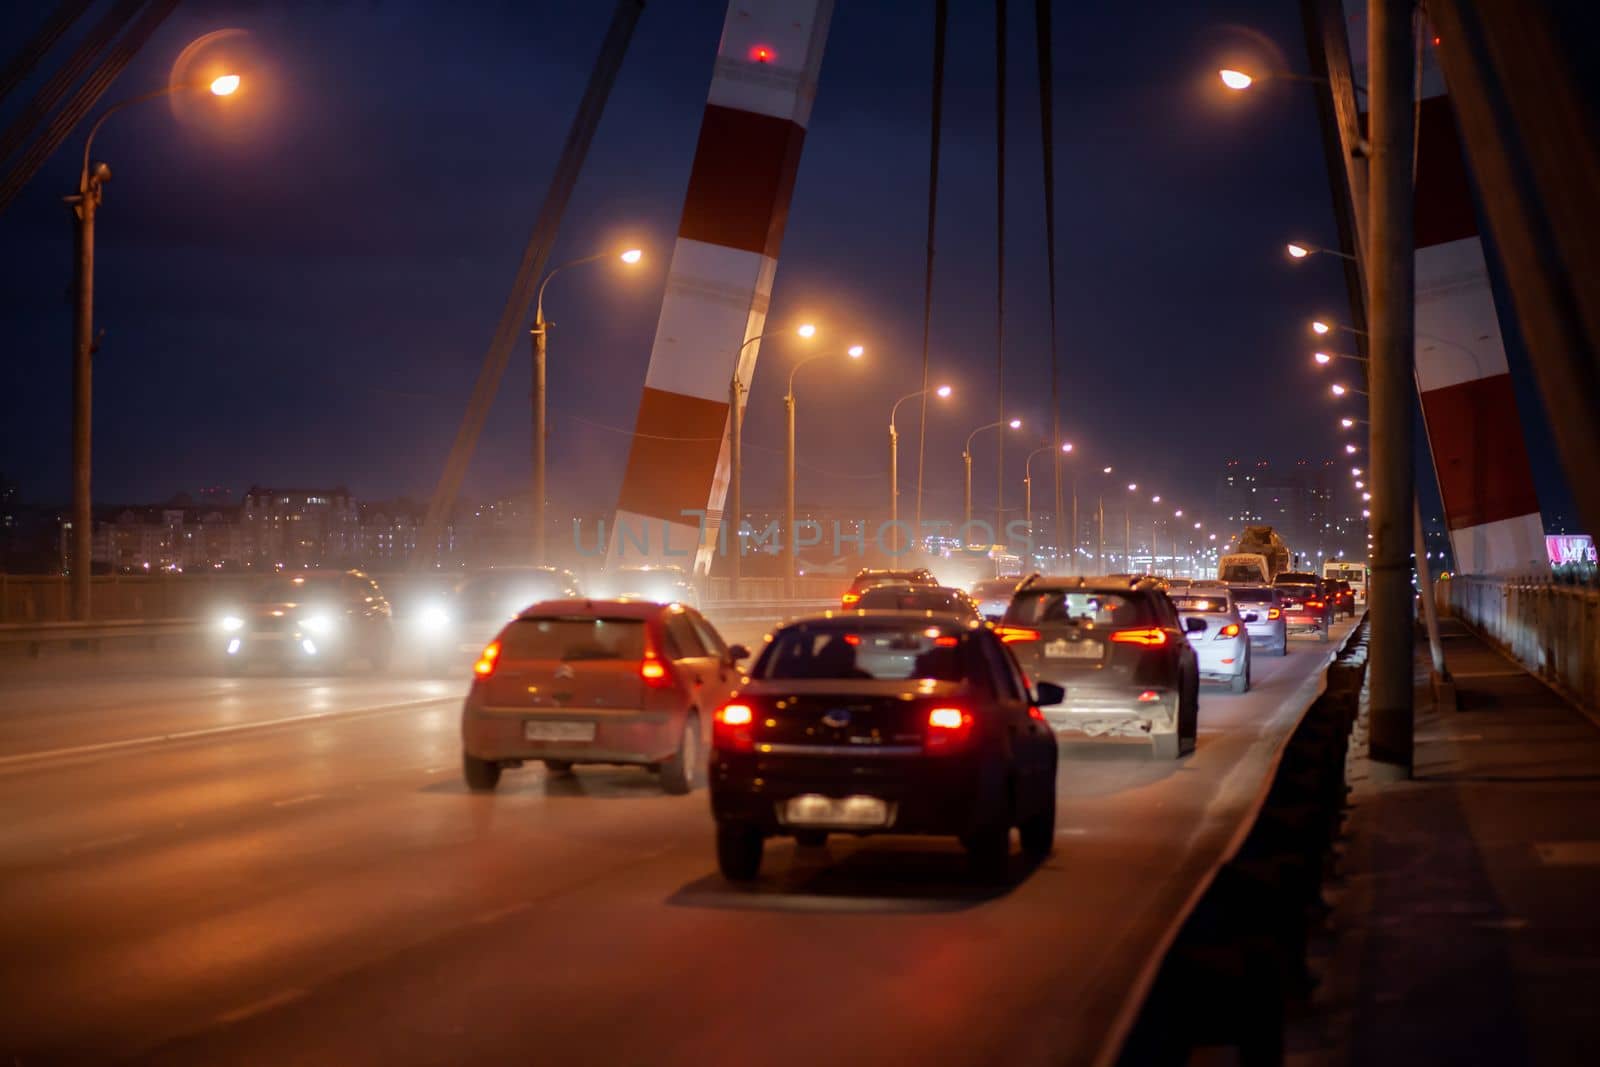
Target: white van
1243 568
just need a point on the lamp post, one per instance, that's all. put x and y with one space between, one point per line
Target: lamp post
85 204
1127 527
540 333
966 460
735 503
1303 250
854 352
942 392
1100 539
1027 483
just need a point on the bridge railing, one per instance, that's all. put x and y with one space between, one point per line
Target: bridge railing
1550 627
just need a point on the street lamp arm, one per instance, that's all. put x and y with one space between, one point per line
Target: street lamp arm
538 312
896 409
797 366
83 173
980 429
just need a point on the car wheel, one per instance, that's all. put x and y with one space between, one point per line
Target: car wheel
1325 628
811 838
1038 833
1189 727
1283 645
558 766
1241 681
739 851
678 772
482 775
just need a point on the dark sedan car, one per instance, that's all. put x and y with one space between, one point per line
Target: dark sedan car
319 619
868 577
1119 651
884 723
942 600
1307 608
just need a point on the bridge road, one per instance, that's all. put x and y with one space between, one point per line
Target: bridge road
325 890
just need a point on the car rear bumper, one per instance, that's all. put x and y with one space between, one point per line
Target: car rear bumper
1304 624
924 794
620 735
1113 712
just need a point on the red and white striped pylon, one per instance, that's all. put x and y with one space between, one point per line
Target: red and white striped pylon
1480 456
720 280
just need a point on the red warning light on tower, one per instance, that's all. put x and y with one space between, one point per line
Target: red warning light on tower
762 53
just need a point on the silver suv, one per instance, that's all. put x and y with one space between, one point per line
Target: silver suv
1120 652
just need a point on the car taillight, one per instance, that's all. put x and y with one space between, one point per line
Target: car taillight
732 728
653 671
948 728
1315 604
1012 634
1149 636
1274 613
1230 630
487 660
1035 713
1149 696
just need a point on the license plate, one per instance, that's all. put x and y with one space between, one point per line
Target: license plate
558 731
813 809
1061 648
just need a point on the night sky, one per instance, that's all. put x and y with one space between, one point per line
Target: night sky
297 285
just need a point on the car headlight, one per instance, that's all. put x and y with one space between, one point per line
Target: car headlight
433 617
318 624
231 623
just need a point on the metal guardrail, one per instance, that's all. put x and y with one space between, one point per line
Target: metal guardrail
1550 628
32 637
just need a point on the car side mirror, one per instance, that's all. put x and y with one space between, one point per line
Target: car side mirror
1194 626
1048 693
1250 616
737 653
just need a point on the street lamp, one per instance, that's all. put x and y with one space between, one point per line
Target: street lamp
1301 250
1239 80
966 460
85 204
1027 481
854 352
1325 358
943 393
539 334
735 503
1339 389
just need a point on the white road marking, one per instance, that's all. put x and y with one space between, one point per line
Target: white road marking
215 731
99 843
303 799
256 1008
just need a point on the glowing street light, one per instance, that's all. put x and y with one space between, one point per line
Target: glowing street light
1015 424
943 393
1237 80
1320 328
85 204
1351 450
1301 250
966 462
1347 422
855 351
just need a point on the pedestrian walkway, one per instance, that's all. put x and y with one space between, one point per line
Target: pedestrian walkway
1466 922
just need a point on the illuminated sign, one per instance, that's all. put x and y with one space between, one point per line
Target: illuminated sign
1569 548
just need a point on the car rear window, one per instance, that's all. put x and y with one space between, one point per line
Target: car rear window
872 578
1254 596
1241 572
1202 603
573 638
893 598
865 653
998 588
1033 607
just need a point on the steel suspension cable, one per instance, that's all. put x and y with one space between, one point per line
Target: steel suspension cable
1042 31
1000 259
941 13
44 39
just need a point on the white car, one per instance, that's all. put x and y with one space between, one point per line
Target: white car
1223 646
1261 608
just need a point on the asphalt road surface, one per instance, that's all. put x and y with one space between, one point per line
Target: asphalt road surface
198 869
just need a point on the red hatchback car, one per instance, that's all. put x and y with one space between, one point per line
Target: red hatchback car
598 681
